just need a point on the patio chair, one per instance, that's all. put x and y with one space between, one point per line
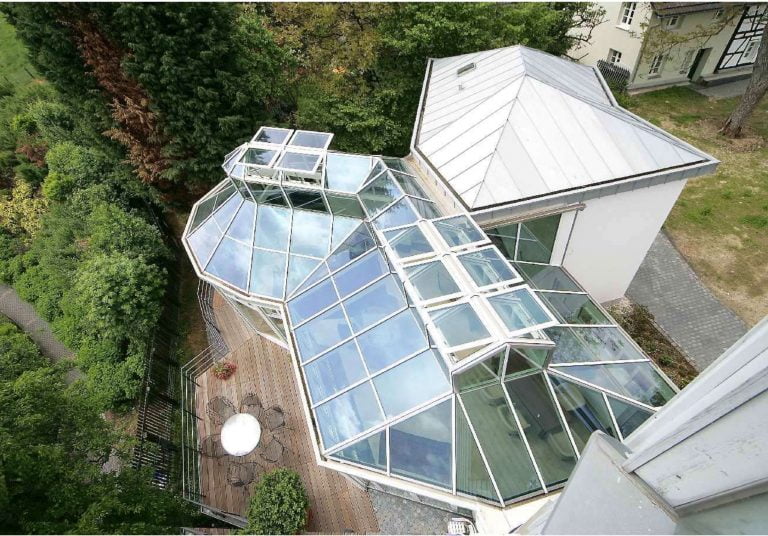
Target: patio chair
211 447
251 404
242 474
274 419
220 409
273 451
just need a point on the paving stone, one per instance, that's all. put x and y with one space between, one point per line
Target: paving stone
683 307
397 515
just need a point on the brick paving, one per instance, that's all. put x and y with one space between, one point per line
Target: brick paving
684 308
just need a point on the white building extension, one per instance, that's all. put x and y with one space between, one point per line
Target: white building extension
515 133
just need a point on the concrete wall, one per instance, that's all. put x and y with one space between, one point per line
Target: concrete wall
611 236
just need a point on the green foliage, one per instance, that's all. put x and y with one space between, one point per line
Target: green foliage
72 167
17 352
278 505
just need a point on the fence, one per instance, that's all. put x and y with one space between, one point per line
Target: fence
616 76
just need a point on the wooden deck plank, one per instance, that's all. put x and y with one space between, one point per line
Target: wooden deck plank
264 368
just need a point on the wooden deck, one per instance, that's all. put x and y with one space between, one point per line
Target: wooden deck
264 368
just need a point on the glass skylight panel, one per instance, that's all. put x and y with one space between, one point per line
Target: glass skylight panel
315 140
311 302
376 343
426 209
584 410
401 213
486 267
242 189
355 245
321 333
230 262
472 475
376 170
519 310
412 383
569 348
374 303
359 273
348 415
310 233
306 199
204 241
638 381
346 172
379 193
203 210
268 273
226 212
421 446
397 164
341 229
459 231
345 205
242 226
269 194
272 135
546 436
299 161
608 344
316 275
298 269
628 417
273 225
371 451
408 242
459 324
259 156
409 184
575 308
432 280
501 440
334 371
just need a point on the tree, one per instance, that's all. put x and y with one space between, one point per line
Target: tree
17 352
278 505
756 89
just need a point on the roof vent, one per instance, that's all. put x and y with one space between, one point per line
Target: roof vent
465 69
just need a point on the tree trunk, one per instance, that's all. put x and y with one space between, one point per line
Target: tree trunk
756 89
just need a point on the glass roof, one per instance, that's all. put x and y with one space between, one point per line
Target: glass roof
426 354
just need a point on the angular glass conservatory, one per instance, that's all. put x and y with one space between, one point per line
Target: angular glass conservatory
432 352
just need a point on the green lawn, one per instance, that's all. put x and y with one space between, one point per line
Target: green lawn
14 67
720 222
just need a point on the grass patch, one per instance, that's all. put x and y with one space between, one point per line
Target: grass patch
15 69
719 222
637 321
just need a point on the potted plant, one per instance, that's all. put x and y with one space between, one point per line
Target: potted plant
279 504
223 370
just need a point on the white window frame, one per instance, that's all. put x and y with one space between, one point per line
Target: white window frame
673 22
627 14
614 56
657 62
687 61
752 45
718 14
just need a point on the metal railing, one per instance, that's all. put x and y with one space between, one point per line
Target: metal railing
616 76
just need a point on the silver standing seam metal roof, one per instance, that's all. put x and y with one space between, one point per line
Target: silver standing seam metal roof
515 123
426 355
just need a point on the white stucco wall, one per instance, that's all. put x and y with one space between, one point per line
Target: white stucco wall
612 234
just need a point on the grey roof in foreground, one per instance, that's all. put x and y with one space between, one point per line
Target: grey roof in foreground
515 123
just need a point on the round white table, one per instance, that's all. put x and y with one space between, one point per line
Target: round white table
240 434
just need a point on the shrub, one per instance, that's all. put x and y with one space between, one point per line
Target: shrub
278 505
73 167
17 352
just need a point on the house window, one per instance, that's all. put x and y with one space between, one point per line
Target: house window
673 22
750 53
614 56
656 64
628 13
718 14
687 60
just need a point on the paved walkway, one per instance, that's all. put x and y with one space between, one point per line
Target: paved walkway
683 307
24 315
723 91
397 515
